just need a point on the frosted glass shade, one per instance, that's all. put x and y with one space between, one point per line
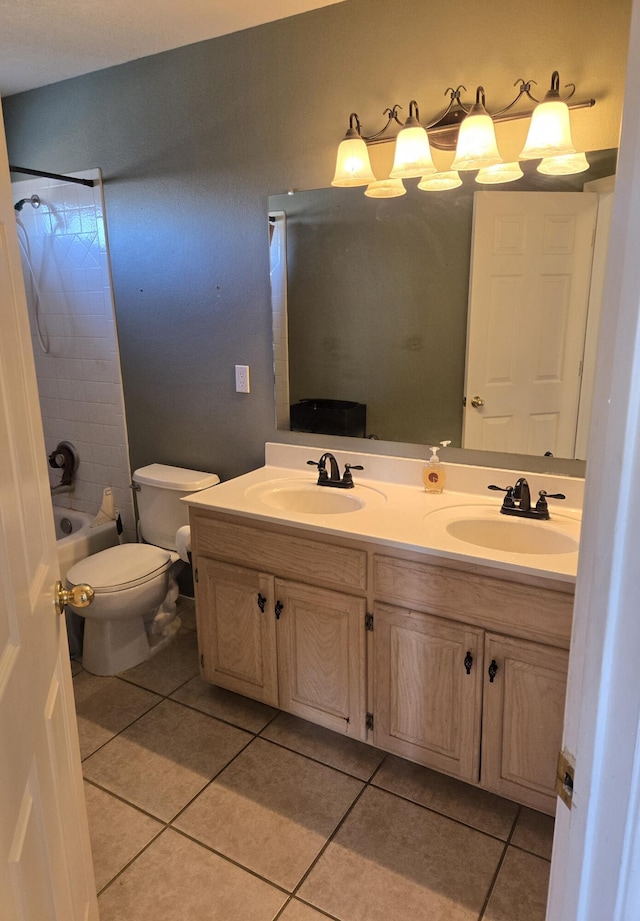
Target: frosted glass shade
477 147
503 172
564 166
412 155
385 188
353 167
440 182
549 132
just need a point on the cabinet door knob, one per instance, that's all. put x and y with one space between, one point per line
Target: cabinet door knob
493 669
278 609
468 662
261 602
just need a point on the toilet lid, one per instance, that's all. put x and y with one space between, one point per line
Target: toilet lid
120 567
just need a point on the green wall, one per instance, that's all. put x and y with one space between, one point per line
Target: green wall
192 142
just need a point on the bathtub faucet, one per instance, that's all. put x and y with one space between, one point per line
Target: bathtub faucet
64 457
62 487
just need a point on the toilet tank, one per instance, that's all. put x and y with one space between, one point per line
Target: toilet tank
159 489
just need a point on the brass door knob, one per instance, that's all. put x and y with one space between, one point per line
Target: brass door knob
80 596
477 402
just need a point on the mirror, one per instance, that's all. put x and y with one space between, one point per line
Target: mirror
370 300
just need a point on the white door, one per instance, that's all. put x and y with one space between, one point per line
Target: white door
528 300
45 860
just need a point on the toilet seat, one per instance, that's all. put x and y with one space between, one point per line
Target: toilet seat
121 567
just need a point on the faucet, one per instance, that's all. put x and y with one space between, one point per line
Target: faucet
324 479
518 501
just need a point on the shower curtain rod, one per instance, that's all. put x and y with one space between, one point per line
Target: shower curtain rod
37 172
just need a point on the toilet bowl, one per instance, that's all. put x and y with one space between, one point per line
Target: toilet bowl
133 613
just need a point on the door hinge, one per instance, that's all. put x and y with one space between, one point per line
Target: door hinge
368 621
195 574
369 721
564 778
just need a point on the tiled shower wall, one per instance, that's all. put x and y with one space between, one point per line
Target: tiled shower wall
79 380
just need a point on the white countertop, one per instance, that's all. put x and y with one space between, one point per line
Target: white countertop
397 512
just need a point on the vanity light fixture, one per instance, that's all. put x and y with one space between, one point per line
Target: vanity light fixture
469 130
566 165
440 182
503 172
477 147
385 188
353 167
413 154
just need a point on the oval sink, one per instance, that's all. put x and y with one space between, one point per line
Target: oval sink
304 498
486 527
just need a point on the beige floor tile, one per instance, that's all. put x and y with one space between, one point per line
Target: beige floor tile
76 667
105 706
331 748
118 832
484 811
392 860
171 667
163 760
298 911
176 879
520 893
534 832
241 711
271 810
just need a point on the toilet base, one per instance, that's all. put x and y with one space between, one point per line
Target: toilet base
113 646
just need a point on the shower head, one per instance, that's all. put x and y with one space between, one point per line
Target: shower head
34 201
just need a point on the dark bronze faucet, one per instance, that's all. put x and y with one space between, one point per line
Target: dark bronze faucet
333 479
518 501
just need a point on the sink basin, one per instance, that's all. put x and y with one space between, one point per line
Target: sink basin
302 497
484 526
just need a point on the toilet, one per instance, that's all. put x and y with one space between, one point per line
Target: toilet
133 613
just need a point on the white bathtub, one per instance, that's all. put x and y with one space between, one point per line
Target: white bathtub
77 539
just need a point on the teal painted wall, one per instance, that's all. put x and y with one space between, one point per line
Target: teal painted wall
192 142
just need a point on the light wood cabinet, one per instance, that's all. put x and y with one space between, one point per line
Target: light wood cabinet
321 656
427 698
523 709
237 629
282 618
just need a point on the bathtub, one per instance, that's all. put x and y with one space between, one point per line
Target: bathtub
76 538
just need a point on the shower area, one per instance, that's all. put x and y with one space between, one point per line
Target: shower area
63 244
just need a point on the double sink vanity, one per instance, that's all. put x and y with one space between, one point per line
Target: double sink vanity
431 626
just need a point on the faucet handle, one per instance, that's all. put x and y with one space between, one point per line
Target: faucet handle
541 504
322 470
347 479
508 501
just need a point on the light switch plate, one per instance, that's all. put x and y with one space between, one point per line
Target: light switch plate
242 379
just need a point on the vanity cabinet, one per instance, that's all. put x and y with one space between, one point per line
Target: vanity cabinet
523 708
427 690
453 666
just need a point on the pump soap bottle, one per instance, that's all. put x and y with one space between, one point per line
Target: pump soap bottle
434 475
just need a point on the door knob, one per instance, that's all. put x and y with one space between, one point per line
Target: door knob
477 402
80 596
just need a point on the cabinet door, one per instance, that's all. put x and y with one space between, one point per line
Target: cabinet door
427 690
321 656
523 718
236 629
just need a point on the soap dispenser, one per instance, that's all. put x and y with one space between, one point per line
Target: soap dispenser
434 475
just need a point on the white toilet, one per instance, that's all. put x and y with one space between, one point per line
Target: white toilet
133 613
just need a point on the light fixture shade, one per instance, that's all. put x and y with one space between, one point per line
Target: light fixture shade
503 172
413 154
550 129
353 167
440 182
477 147
564 166
385 188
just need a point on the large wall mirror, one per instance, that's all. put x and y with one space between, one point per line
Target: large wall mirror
371 309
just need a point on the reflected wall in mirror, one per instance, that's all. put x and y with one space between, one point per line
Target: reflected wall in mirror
370 301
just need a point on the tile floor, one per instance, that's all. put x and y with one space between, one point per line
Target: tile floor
210 807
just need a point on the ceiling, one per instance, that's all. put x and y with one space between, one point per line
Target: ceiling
44 41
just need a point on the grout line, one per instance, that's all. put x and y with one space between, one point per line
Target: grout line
500 865
133 859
